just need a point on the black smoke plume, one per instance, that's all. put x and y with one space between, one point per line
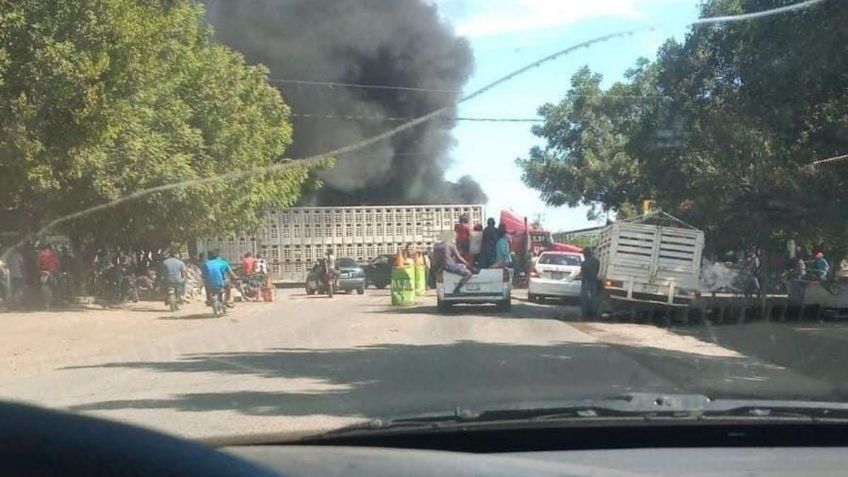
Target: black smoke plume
374 42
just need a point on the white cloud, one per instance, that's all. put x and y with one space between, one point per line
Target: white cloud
479 18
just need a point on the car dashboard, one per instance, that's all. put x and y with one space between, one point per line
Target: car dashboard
332 461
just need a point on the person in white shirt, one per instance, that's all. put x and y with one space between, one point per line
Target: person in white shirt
261 265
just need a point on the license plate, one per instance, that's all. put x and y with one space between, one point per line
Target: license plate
557 275
345 275
472 287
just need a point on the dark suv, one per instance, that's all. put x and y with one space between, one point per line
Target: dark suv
378 272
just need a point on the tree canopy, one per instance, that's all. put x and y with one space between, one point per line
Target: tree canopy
720 130
102 98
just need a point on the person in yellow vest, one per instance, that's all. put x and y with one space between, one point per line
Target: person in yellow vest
409 255
425 256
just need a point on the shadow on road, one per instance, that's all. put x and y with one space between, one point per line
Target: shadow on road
401 379
819 350
193 316
520 309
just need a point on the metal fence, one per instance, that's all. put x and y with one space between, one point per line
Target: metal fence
292 239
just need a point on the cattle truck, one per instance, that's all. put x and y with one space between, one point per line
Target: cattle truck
292 239
655 258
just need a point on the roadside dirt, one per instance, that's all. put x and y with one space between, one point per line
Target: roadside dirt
40 341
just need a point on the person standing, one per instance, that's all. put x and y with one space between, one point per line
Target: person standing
48 260
590 285
820 267
800 267
175 273
752 267
248 264
462 230
330 263
16 277
427 264
488 244
503 257
408 255
261 265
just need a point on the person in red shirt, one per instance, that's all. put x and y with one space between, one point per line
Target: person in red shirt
248 265
48 260
463 238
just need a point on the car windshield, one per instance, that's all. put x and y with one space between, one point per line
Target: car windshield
189 187
559 259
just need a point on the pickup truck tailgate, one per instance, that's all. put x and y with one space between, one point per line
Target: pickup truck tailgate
487 282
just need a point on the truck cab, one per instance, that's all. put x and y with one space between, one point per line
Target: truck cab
540 240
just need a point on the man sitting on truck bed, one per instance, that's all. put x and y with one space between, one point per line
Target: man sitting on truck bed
454 263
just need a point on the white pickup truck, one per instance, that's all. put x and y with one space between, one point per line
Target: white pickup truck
491 285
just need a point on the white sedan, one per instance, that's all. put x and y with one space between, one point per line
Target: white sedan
554 276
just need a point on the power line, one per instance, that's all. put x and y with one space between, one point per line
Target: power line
333 84
830 159
392 118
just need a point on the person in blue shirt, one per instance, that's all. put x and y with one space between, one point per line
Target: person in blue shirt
820 267
217 274
503 257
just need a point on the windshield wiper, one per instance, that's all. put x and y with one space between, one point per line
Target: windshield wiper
640 406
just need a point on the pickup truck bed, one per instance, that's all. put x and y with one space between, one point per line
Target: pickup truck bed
491 285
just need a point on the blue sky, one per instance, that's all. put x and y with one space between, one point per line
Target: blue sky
507 34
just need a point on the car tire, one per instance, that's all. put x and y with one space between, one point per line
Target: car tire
532 297
310 291
381 285
504 305
443 306
360 290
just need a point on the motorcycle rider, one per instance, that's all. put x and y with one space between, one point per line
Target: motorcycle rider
330 264
50 267
217 276
175 273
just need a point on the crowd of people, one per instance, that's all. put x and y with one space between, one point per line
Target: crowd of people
782 268
43 275
461 257
36 274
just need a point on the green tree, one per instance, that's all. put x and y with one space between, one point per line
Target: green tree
102 98
720 130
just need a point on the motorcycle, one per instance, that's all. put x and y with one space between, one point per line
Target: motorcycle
216 299
48 288
322 279
149 285
251 286
117 285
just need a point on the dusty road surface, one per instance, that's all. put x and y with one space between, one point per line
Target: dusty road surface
310 363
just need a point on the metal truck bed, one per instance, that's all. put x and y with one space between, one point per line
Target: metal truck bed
651 262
